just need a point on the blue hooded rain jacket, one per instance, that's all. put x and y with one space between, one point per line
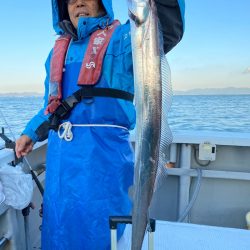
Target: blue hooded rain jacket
87 179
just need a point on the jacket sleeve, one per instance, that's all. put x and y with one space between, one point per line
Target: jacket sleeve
171 16
40 117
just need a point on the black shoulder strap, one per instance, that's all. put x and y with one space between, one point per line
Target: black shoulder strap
90 92
67 105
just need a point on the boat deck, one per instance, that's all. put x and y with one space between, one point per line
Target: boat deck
183 236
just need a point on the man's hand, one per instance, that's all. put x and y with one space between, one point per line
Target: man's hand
24 145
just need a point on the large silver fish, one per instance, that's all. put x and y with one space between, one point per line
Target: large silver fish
148 63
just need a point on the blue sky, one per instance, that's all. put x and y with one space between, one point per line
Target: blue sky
214 52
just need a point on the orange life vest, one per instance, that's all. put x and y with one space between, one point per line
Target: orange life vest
91 68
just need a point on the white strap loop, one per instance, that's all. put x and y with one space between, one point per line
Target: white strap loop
66 134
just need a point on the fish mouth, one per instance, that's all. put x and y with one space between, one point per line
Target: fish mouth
138 12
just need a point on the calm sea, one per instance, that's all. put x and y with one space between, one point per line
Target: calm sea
208 113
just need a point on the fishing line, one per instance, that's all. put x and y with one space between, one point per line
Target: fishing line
38 183
7 124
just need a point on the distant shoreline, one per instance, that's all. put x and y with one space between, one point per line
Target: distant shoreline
216 94
191 92
214 91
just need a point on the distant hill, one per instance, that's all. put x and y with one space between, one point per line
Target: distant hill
208 91
21 94
214 91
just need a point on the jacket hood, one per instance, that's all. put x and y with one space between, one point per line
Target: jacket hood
60 14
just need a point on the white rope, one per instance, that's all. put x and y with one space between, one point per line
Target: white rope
65 129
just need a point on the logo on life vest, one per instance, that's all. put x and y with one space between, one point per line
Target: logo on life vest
99 40
90 65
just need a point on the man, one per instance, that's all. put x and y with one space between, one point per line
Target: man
89 159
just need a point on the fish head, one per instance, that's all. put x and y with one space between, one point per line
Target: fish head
138 11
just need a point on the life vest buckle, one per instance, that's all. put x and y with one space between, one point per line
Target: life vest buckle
63 109
54 122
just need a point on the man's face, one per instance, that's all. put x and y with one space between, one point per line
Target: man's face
84 8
